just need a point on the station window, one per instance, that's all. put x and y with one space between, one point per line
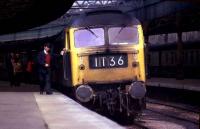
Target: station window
154 56
172 58
1 62
163 59
197 57
186 58
191 57
166 58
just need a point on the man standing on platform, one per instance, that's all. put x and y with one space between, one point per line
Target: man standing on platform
44 61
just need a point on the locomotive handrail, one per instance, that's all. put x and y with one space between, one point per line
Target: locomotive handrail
64 66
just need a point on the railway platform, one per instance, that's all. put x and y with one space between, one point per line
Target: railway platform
22 110
186 84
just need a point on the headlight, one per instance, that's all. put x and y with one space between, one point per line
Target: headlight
84 93
137 90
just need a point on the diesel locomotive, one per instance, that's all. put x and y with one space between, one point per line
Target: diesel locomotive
104 60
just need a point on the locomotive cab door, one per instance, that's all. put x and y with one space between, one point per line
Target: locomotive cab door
67 61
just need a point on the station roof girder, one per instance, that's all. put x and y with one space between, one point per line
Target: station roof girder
145 10
18 15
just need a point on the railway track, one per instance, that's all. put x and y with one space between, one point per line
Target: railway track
175 117
185 107
173 114
176 111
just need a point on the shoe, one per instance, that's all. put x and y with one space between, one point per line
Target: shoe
49 93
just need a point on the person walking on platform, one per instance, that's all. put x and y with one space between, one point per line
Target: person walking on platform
29 69
9 64
17 66
44 61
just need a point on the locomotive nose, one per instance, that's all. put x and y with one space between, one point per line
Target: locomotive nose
84 93
137 90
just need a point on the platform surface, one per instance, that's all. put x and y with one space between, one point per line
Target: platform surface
30 110
186 84
19 110
61 112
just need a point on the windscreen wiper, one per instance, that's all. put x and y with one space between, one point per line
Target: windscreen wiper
91 32
122 28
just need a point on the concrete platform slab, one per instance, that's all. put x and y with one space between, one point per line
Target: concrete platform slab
19 111
61 112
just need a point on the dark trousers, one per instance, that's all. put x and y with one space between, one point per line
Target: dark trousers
45 81
17 78
28 76
11 77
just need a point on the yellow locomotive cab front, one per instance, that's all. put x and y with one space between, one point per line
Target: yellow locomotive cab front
89 65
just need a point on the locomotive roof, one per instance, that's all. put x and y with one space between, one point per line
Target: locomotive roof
104 17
